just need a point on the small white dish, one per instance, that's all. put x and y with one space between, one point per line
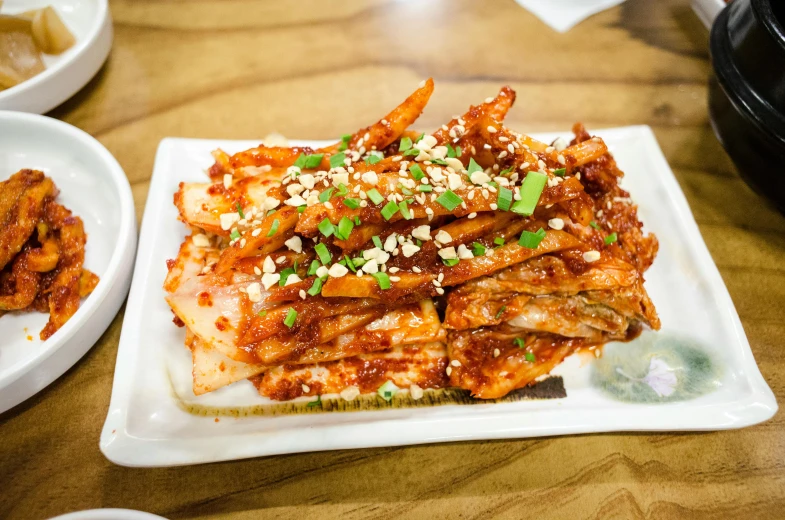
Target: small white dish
92 185
149 423
91 24
108 514
707 10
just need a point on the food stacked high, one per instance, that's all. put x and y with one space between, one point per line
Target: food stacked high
475 257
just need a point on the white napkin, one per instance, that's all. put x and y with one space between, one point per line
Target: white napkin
562 15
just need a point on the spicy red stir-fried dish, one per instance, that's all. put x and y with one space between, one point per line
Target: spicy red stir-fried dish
474 257
42 246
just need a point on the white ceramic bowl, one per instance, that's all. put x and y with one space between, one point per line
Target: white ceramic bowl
95 188
109 514
91 24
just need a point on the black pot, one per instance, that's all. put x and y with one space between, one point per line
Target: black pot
747 92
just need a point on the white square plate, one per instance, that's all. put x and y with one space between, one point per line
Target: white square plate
697 373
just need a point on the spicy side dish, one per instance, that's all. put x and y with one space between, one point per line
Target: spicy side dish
41 251
474 257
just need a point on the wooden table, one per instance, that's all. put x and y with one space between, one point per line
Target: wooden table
319 68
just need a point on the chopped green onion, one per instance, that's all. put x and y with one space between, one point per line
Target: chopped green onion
324 254
301 209
240 210
390 209
406 143
499 241
374 158
411 151
285 274
530 357
417 172
383 280
610 239
506 170
494 184
449 200
387 390
478 249
326 194
377 241
595 225
531 189
345 142
504 200
316 288
343 190
262 313
314 266
300 162
404 189
418 242
312 161
420 138
291 316
337 160
350 264
501 311
449 262
451 151
358 262
326 227
273 228
473 167
519 342
357 221
457 151
351 203
425 187
318 402
375 196
440 162
270 213
345 226
404 206
234 235
560 172
531 240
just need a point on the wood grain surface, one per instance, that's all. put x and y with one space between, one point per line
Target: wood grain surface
315 69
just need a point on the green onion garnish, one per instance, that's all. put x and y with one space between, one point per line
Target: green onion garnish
531 240
405 210
478 249
375 196
285 274
273 228
240 210
343 190
560 172
350 264
419 138
316 288
269 213
390 209
300 162
377 241
387 390
318 402
291 316
351 203
326 227
500 312
300 209
417 172
345 142
519 342
440 162
345 226
449 200
358 262
262 313
452 152
406 143
411 151
610 239
531 189
473 167
324 254
595 225
506 170
234 235
383 280
499 241
530 357
312 161
449 262
373 158
504 200
337 160
314 266
404 189
357 220
326 194
425 187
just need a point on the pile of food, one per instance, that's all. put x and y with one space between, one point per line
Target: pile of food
474 257
41 251
24 37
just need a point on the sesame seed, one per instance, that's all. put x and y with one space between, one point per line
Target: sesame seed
416 269
455 363
395 278
561 159
502 154
255 232
489 100
257 271
496 352
306 388
550 149
491 129
302 294
494 207
556 223
474 214
449 370
439 291
591 256
503 139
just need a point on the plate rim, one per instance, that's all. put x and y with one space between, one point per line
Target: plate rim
116 273
125 449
